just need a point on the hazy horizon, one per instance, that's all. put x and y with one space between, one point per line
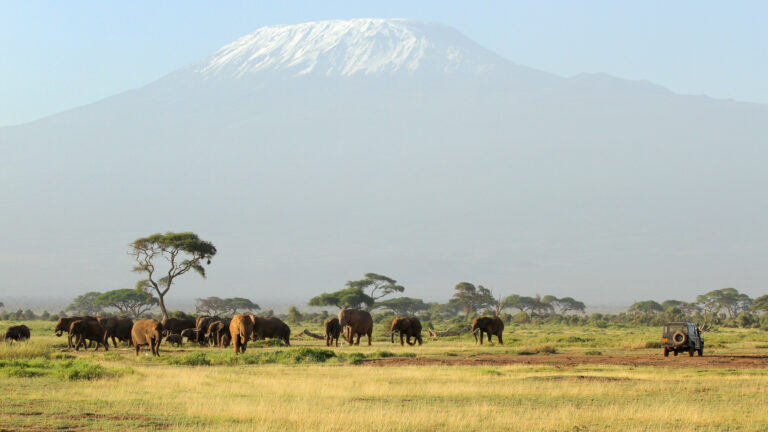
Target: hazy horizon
605 189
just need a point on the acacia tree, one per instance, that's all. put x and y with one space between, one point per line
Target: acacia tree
760 304
379 285
647 307
85 304
133 302
403 306
728 299
181 252
473 298
216 305
346 298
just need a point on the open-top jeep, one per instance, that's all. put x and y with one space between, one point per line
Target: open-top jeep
682 337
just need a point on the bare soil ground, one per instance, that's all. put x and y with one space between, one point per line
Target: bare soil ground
567 359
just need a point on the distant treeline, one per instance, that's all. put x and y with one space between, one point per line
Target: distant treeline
726 307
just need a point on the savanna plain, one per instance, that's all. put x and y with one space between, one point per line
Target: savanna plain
544 378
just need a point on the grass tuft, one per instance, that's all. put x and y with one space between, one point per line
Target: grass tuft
541 349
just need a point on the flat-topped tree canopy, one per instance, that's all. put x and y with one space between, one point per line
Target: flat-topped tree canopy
181 251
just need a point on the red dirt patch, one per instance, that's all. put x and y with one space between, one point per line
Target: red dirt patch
716 361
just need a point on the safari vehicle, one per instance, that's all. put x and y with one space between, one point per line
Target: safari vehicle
682 337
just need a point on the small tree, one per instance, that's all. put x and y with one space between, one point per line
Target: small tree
521 303
760 304
472 298
294 315
379 285
85 304
647 307
131 302
181 251
211 305
568 304
238 303
403 306
346 298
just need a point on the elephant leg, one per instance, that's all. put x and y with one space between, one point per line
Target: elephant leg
369 337
501 342
137 347
482 333
401 338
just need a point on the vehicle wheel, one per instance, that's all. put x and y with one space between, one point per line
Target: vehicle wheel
679 338
690 352
666 352
701 351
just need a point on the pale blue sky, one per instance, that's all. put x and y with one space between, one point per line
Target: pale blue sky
58 55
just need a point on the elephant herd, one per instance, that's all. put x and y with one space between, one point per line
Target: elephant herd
237 331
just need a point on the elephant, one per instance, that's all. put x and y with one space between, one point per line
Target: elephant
410 327
118 327
176 325
216 332
203 321
241 329
174 339
358 322
272 328
488 325
17 333
84 330
147 332
193 335
62 326
332 331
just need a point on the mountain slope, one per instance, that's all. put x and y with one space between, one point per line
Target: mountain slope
312 154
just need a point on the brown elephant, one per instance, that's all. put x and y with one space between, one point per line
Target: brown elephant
357 322
203 321
332 331
118 327
488 325
241 329
17 333
216 332
62 326
193 335
176 325
86 330
147 332
410 327
174 339
271 327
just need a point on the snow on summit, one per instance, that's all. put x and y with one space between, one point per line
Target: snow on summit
349 47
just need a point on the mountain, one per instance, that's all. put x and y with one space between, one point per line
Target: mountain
313 153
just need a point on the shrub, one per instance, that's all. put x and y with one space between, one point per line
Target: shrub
593 353
355 358
191 359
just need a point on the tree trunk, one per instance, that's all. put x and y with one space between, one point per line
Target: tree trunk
162 306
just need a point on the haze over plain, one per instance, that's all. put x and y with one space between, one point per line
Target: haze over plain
313 153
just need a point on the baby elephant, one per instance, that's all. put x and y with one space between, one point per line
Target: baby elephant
332 331
17 333
174 339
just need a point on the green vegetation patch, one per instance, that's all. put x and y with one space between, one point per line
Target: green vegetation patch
64 369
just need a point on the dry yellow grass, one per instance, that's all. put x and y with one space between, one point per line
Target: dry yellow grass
341 397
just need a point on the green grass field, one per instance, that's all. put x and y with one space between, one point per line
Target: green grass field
446 384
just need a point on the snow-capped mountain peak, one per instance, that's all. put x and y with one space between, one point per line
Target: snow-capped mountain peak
350 47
